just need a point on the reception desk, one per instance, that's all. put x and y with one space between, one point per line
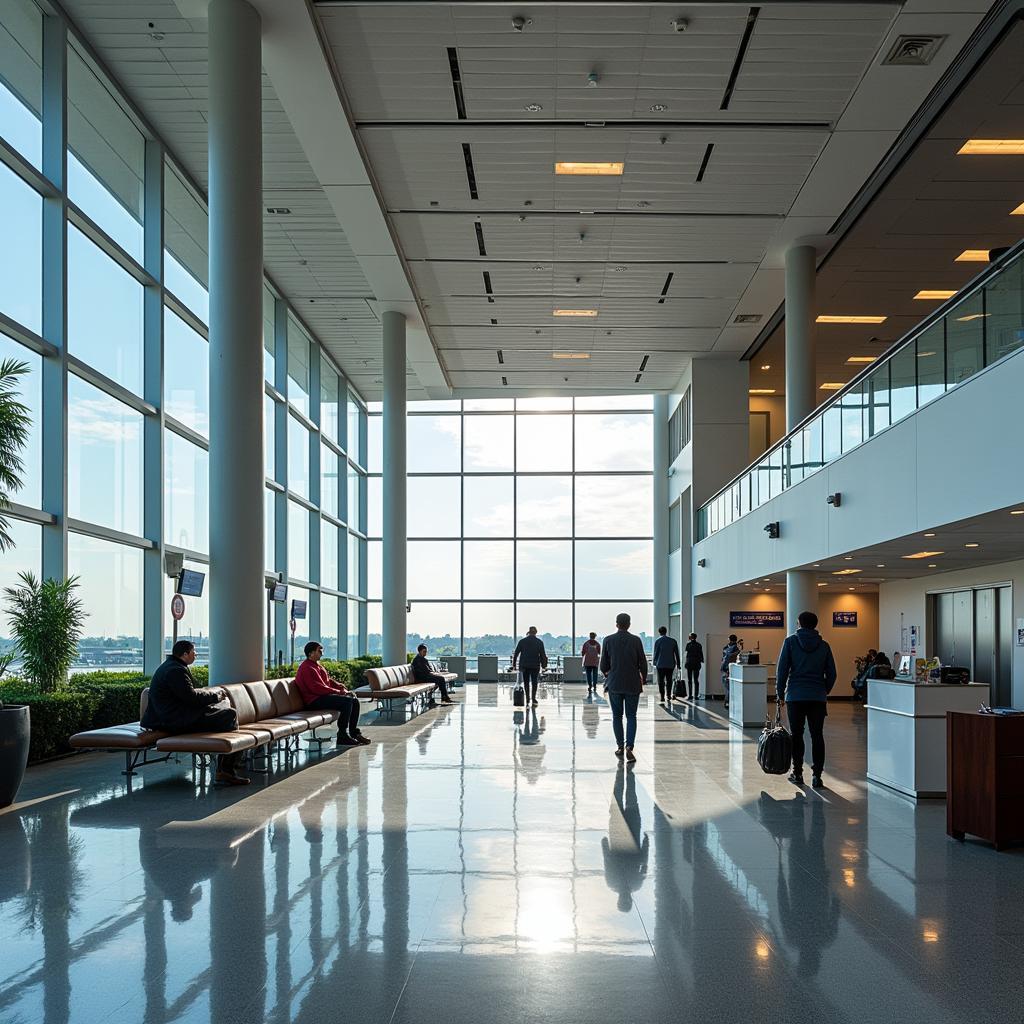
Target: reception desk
748 694
907 732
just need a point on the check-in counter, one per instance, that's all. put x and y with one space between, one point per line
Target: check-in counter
748 693
456 664
907 731
487 668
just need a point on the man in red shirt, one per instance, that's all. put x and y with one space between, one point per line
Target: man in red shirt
321 693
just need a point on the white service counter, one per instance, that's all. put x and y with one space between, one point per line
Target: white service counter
907 732
748 693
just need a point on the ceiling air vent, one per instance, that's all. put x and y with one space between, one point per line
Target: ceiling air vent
915 51
747 318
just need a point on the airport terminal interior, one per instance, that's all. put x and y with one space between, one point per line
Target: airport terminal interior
334 332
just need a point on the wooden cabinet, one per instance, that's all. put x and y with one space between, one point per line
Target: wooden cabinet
985 777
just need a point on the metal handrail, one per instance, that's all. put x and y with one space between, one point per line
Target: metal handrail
993 270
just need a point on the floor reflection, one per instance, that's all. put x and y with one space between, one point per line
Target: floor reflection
561 879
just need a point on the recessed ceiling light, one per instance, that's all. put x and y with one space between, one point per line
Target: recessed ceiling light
658 108
1018 212
579 167
972 256
822 584
862 359
925 355
992 147
929 534
972 545
832 386
852 588
935 293
534 108
620 270
1017 512
923 554
539 267
881 565
843 319
932 565
767 366
817 565
762 391
643 203
570 355
847 558
971 316
845 572
574 312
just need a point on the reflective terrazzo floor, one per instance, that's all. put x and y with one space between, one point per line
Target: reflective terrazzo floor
471 868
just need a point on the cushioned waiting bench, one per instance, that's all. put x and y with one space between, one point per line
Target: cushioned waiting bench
268 712
395 683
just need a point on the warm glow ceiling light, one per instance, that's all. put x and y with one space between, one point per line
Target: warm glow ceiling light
767 366
825 319
1018 212
972 256
845 572
574 312
1017 512
574 167
570 355
822 584
992 147
935 293
862 359
832 386
972 545
971 316
762 391
924 554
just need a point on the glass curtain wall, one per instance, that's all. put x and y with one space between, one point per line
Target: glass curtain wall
521 512
119 398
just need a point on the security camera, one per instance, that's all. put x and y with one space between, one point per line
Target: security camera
678 24
519 23
702 562
772 529
835 499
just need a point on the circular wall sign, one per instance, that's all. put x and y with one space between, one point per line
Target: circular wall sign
178 607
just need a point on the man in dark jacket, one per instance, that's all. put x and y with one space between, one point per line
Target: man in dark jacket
693 658
666 661
806 674
176 706
423 673
624 667
730 652
531 658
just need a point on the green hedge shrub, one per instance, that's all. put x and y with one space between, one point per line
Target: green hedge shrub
54 716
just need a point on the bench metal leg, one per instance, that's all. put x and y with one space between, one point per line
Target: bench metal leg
140 759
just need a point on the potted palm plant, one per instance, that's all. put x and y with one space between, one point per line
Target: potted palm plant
14 424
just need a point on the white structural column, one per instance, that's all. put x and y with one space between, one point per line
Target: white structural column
237 592
800 347
660 427
394 483
801 268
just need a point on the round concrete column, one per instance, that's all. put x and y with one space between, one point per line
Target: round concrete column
801 596
237 595
800 334
394 539
660 427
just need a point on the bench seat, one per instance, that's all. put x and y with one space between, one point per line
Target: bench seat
131 736
208 742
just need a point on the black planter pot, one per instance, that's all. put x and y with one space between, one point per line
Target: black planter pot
14 735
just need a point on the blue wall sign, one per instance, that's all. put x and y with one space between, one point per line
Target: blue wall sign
756 620
844 620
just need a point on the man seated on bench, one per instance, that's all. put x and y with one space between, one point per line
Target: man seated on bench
176 706
321 693
423 673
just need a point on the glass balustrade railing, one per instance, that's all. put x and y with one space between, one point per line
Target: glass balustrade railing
979 326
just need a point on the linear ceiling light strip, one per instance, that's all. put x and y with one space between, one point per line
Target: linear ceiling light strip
453 66
740 54
467 155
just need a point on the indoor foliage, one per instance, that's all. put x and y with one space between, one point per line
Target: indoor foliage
14 424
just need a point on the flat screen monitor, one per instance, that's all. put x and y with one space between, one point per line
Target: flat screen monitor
278 592
904 669
190 583
298 609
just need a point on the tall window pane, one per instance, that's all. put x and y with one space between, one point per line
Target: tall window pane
269 529
434 569
330 467
434 444
21 254
195 625
104 459
599 617
489 569
29 390
106 156
614 568
298 457
298 367
330 397
25 556
186 494
353 645
105 334
374 570
614 506
354 438
544 569
356 546
374 506
543 443
355 492
433 506
298 541
488 506
269 437
186 374
488 444
269 339
186 247
553 621
374 444
329 606
437 624
110 582
617 441
544 506
488 628
329 555
21 78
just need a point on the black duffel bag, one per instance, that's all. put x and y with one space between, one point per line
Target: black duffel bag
775 746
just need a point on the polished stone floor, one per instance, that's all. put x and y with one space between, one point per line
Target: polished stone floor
477 865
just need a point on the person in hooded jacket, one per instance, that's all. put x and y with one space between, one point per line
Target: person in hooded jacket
806 673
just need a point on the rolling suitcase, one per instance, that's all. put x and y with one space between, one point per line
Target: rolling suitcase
519 693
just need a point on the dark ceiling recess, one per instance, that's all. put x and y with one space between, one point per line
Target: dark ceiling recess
501 358
494 323
487 286
643 363
453 65
740 54
467 155
504 380
705 161
478 228
664 289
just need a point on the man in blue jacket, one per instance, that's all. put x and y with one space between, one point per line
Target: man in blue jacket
806 674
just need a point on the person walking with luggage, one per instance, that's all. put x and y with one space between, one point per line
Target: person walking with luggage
666 661
805 674
591 654
730 652
531 658
624 666
693 658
